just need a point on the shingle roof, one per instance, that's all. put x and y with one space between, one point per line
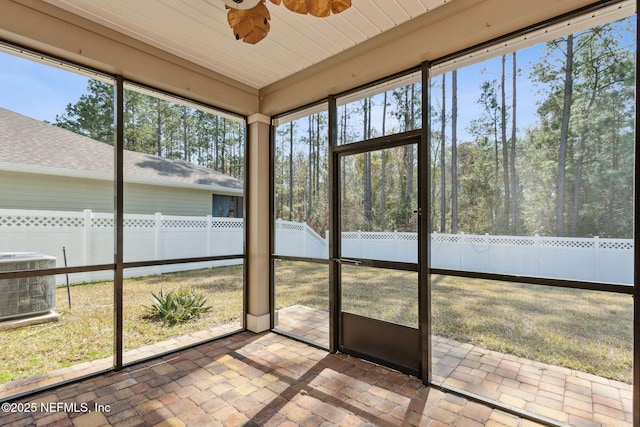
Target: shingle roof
31 142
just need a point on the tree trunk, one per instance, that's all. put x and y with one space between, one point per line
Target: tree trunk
291 171
512 160
316 189
505 154
217 144
410 156
495 200
383 170
367 165
615 166
454 152
158 129
185 139
575 208
564 138
443 179
309 192
344 141
224 147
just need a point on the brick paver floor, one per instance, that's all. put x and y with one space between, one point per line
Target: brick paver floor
248 379
267 379
568 396
24 385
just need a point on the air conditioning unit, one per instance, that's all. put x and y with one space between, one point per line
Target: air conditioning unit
26 296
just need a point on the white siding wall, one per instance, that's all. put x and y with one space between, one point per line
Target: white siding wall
56 193
149 199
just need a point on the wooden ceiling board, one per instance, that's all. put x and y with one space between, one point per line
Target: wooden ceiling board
198 31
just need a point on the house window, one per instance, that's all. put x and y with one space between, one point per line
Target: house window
226 206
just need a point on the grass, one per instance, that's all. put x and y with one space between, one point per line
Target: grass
584 330
85 332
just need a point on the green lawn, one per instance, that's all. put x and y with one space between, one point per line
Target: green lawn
85 332
585 330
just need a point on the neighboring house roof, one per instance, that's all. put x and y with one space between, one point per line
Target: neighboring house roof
30 145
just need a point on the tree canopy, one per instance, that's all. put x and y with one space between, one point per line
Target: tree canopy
538 141
156 126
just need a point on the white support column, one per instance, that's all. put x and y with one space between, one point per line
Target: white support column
258 223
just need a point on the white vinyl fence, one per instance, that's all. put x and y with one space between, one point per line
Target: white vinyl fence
88 239
298 239
588 259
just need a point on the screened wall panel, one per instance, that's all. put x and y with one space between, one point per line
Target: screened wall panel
532 172
385 109
178 158
183 166
532 158
301 212
164 312
56 211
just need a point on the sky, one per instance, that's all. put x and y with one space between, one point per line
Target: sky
37 90
43 91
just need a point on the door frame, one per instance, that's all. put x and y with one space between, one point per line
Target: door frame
394 357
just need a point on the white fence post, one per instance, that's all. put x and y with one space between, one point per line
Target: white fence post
596 253
87 241
326 243
395 245
158 242
209 234
537 250
488 257
305 231
278 232
461 251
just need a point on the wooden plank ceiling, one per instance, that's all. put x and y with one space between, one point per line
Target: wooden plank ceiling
197 31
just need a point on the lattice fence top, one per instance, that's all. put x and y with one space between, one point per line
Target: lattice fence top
376 236
57 219
563 243
185 223
290 226
379 236
528 241
350 235
138 223
511 241
474 239
407 236
299 227
103 222
619 245
229 223
41 221
446 238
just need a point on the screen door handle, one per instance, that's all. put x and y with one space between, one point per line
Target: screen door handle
348 261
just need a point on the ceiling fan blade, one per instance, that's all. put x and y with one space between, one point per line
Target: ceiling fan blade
250 25
297 6
338 6
319 8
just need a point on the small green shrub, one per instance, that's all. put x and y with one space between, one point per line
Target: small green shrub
177 306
